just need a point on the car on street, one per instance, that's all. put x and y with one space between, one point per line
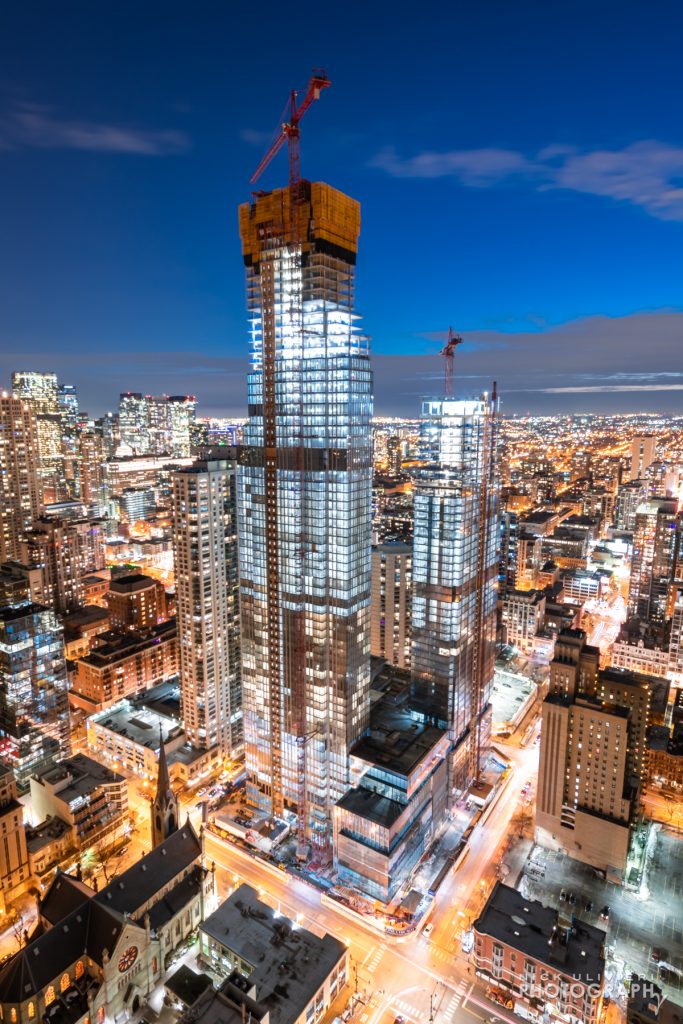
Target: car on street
604 913
572 898
427 930
588 906
658 954
563 895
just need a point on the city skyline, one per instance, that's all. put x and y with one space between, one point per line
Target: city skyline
529 142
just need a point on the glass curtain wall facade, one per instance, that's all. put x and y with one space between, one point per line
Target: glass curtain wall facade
455 576
304 498
34 703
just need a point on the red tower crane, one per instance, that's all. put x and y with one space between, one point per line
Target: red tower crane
448 353
290 131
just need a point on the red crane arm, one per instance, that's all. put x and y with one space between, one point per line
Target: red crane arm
318 81
275 147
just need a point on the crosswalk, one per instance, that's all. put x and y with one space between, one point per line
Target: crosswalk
455 1001
373 964
447 1012
407 1009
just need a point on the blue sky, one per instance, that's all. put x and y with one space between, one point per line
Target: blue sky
520 169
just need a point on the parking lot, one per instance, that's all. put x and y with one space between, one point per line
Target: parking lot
635 926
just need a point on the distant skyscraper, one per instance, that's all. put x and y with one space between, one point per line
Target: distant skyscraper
305 489
207 593
181 418
41 391
642 455
20 496
654 557
34 704
455 575
394 455
157 424
134 422
392 585
90 461
629 496
67 400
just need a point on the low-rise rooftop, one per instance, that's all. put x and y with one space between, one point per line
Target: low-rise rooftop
536 930
289 964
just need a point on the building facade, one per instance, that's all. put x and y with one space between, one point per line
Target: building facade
592 757
652 566
41 392
305 487
91 798
136 601
390 609
522 613
64 551
20 492
537 964
34 704
15 869
207 595
455 575
121 664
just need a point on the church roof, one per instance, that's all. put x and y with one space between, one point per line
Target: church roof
95 924
129 892
63 895
87 931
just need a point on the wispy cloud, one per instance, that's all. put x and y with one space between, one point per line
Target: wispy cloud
648 173
38 127
605 388
478 168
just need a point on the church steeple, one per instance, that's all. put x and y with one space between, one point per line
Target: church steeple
164 806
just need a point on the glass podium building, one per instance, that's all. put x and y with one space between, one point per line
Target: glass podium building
304 498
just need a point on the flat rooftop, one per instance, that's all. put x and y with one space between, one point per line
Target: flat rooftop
289 963
82 775
140 724
371 806
131 583
535 930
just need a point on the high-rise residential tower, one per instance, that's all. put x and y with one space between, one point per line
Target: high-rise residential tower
455 575
305 487
20 495
654 556
392 588
207 594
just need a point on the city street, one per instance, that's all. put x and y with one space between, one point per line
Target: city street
414 971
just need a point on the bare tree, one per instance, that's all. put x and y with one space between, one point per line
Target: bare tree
18 930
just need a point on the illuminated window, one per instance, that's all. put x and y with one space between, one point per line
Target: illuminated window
13 1014
49 995
31 1011
79 969
65 982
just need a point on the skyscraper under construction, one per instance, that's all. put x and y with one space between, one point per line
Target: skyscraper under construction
455 569
305 483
